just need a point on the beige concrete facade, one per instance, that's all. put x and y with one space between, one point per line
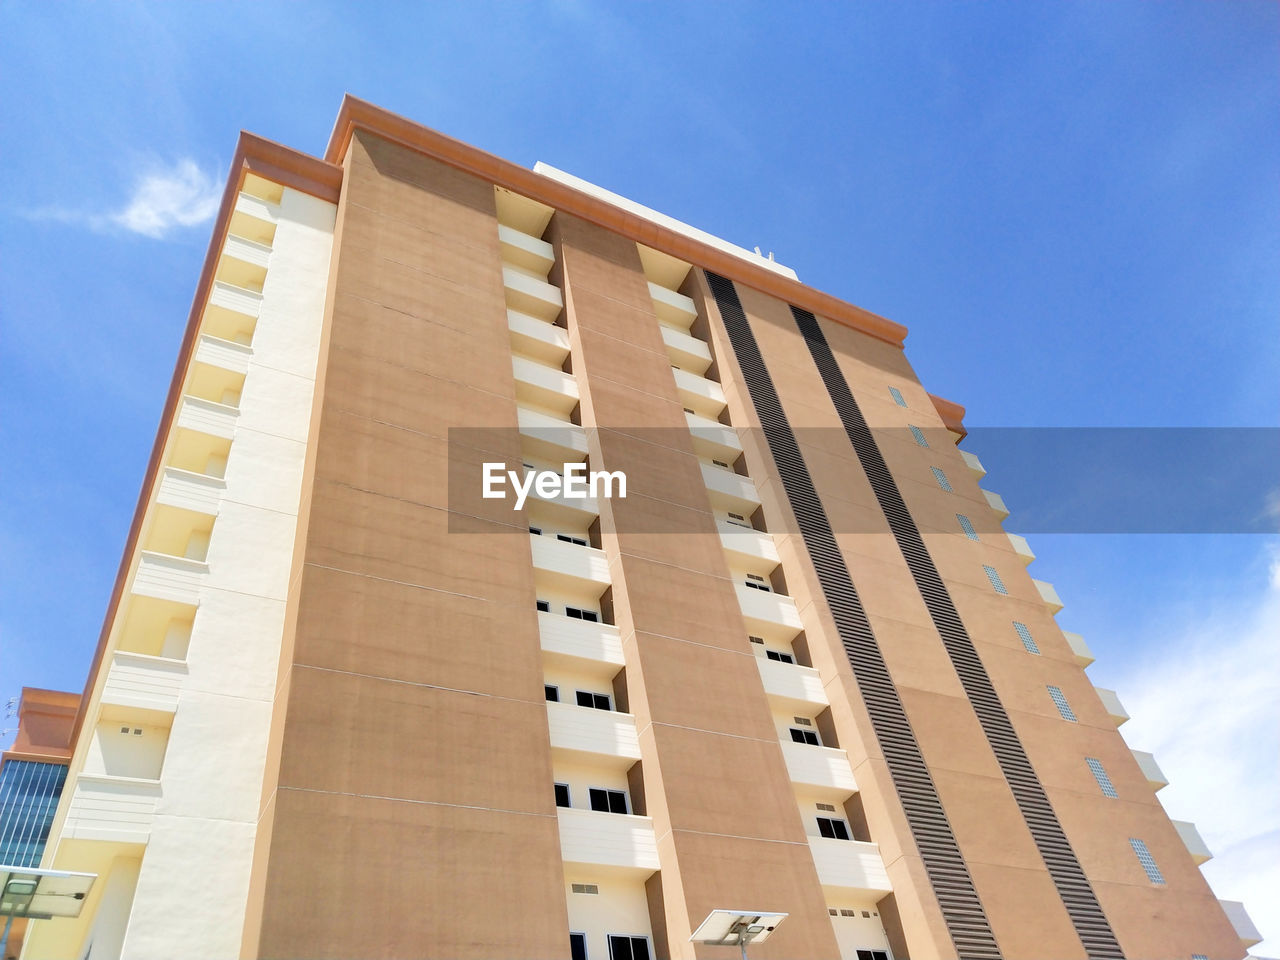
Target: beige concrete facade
409 802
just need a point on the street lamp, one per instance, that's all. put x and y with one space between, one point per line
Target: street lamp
40 895
728 928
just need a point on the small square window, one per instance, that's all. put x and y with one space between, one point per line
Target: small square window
597 701
780 657
552 692
544 606
562 796
809 737
577 946
607 801
833 829
536 531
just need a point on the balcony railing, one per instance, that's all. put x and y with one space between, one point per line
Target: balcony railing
623 842
252 206
1194 842
713 439
850 865
224 354
1048 594
996 503
538 338
686 351
671 307
1115 709
167 577
544 385
525 251
118 809
698 393
1241 922
1156 779
825 770
208 416
1080 649
197 492
800 687
1021 548
603 736
768 613
148 683
973 463
530 295
579 641
231 297
556 439
730 491
569 564
249 251
753 546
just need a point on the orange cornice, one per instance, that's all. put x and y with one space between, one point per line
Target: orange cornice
952 415
356 114
272 161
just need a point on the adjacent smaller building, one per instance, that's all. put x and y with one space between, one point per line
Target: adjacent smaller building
32 773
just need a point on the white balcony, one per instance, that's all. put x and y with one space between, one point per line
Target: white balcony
224 354
525 251
686 351
673 308
116 809
167 577
186 490
755 550
604 737
768 614
1115 709
1048 595
558 563
557 440
536 338
1083 655
799 688
543 385
579 642
713 439
730 491
825 770
257 208
576 511
208 416
1240 921
238 299
144 682
248 251
850 865
699 394
1194 842
530 295
1156 779
1021 548
973 463
996 503
612 842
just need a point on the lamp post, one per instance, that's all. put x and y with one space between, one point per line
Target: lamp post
728 928
40 895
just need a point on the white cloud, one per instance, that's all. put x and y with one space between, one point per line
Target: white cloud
163 200
1208 710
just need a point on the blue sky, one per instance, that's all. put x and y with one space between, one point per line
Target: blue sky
1072 207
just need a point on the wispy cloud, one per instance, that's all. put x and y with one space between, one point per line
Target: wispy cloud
164 199
1207 710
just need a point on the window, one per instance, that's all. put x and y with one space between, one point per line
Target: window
919 436
996 583
757 583
1099 774
544 606
872 955
833 829
897 396
589 888
721 463
1060 702
565 538
1199 956
562 799
756 639
1027 640
552 692
780 657
943 482
608 801
967 526
805 736
598 701
628 948
738 520
576 614
577 946
536 531
1148 862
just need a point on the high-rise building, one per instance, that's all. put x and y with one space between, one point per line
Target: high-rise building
346 705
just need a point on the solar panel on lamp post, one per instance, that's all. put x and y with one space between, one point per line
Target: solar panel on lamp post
40 895
728 928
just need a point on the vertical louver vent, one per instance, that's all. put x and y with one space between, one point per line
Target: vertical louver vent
1077 895
966 920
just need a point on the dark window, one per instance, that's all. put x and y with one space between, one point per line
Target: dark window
628 948
721 463
833 829
568 539
598 701
780 657
577 614
562 795
805 736
757 583
608 801
552 692
536 531
872 955
544 606
577 946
